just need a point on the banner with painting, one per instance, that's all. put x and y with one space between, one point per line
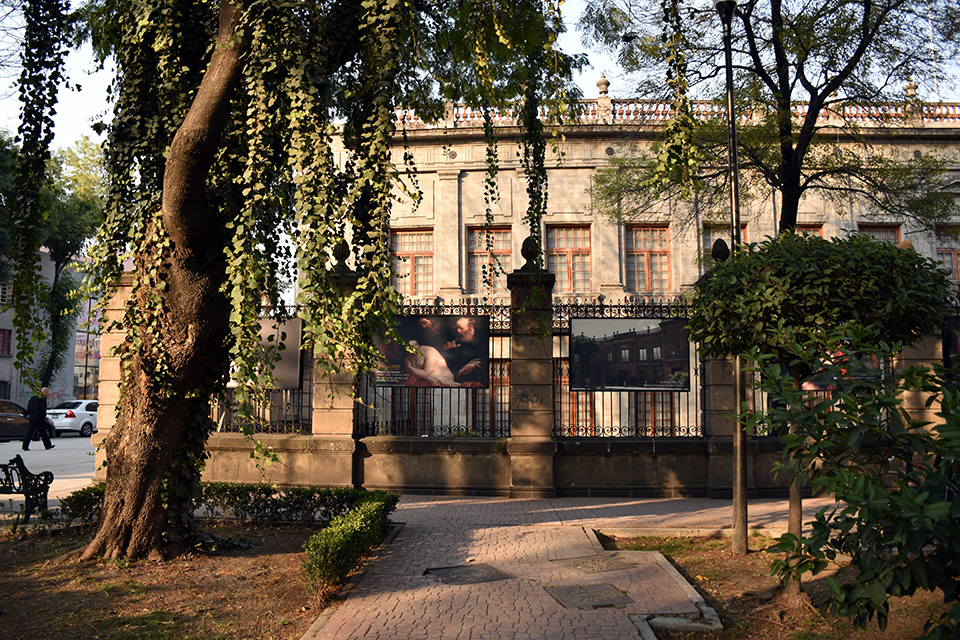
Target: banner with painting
438 351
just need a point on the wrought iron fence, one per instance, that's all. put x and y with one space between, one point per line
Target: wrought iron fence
287 411
622 413
445 412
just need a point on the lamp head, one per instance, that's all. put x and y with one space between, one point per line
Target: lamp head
720 252
726 9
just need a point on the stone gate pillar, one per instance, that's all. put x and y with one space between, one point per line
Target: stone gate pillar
531 446
108 388
324 457
333 444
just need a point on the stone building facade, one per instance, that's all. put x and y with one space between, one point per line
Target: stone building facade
590 253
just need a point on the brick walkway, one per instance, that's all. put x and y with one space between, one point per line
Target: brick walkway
398 598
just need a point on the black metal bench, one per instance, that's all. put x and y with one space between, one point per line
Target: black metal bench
14 478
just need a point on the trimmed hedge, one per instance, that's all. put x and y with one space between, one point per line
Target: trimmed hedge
265 504
337 550
358 519
258 503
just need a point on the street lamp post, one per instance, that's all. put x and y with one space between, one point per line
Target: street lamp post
726 9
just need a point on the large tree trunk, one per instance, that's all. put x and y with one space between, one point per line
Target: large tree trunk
154 451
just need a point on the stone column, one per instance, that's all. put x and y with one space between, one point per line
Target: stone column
719 405
324 457
333 444
531 446
928 351
447 227
109 385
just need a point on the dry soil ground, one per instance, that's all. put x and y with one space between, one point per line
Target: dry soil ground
255 591
736 586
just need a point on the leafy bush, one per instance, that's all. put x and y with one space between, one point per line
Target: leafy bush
334 552
265 504
259 503
783 296
895 527
84 505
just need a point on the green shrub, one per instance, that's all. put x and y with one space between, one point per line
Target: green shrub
334 552
266 504
258 503
84 505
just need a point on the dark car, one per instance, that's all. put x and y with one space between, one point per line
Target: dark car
14 422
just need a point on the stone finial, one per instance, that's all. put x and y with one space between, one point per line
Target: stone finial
604 103
911 89
912 109
603 84
339 271
720 251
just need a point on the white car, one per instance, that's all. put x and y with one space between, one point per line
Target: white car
74 415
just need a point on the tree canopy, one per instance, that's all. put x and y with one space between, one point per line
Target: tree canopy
8 169
804 304
238 126
72 204
800 290
798 65
69 205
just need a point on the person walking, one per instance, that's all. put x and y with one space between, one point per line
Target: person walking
37 415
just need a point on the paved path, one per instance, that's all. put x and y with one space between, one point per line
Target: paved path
402 596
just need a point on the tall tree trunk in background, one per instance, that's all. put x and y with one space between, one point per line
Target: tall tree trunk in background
791 588
146 505
56 320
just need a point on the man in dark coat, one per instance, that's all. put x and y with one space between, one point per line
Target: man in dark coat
467 354
37 414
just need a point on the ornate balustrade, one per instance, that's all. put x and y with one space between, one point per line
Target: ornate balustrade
650 112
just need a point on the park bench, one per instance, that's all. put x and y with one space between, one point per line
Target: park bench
14 478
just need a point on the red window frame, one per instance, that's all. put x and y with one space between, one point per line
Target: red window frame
809 230
489 259
648 259
881 232
948 252
413 262
6 342
568 252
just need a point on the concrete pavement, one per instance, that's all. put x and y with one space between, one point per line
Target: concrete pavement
72 462
552 579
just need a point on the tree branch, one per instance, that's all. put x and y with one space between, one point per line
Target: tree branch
185 211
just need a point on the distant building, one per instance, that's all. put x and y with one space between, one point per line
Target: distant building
65 383
655 358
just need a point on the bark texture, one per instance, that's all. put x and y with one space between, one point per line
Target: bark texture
146 476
